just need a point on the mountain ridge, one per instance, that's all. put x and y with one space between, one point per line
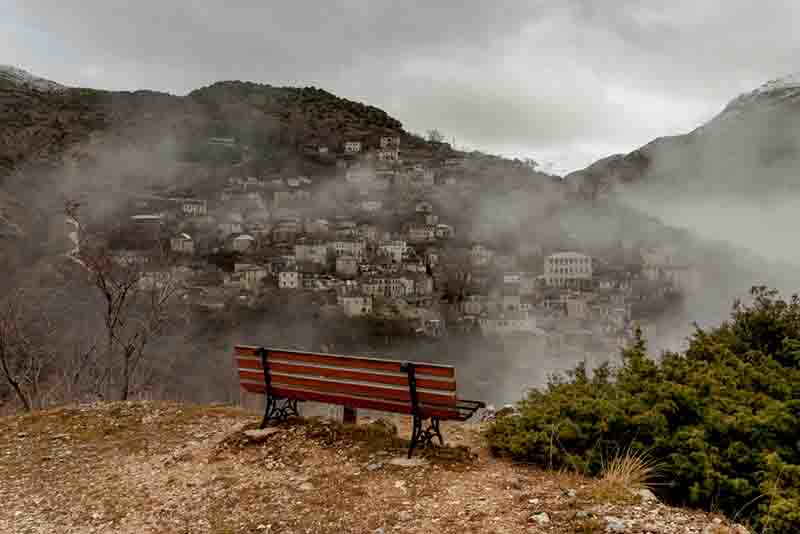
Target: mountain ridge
755 134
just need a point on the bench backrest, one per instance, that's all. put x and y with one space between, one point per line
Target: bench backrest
353 381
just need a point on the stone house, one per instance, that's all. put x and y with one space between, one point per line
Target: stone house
568 269
195 207
346 266
420 233
355 305
444 231
289 279
252 274
354 248
182 244
390 141
311 251
243 243
396 250
352 147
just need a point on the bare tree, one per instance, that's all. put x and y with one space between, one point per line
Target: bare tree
137 292
24 353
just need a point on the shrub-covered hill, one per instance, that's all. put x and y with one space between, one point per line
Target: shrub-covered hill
722 418
39 126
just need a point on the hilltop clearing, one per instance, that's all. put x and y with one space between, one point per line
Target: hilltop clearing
160 467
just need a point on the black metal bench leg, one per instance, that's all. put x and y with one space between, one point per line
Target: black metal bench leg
416 432
435 427
267 411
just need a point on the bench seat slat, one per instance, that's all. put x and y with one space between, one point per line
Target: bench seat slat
354 401
346 374
357 362
350 388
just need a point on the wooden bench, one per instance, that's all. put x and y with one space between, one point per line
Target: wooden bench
423 390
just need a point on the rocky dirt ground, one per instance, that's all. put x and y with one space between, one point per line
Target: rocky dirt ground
149 467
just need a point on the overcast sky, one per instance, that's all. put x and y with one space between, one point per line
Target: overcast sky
565 81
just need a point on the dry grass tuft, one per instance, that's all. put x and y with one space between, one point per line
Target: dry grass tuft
627 473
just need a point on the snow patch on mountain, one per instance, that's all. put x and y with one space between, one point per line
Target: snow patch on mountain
26 79
769 95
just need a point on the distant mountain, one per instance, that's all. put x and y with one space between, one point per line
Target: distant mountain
23 78
751 148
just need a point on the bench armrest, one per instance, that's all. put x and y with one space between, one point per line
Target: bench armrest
467 408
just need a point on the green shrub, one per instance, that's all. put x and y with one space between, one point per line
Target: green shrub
723 417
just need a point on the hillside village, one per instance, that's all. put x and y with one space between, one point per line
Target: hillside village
375 236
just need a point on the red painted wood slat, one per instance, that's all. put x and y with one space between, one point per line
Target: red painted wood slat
357 362
345 374
354 402
345 388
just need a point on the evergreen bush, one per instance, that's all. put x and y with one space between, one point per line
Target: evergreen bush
723 417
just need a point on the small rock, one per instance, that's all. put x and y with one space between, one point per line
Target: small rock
582 514
306 486
646 495
533 501
408 462
400 484
541 518
374 467
615 524
261 434
515 483
404 516
572 494
378 531
21 434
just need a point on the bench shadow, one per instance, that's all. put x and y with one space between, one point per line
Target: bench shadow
375 439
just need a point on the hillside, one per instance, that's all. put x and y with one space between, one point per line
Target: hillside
163 468
752 147
39 124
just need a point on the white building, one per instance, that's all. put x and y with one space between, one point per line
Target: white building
394 249
195 207
182 243
388 154
444 231
244 243
421 232
348 248
390 141
251 274
289 280
356 305
352 147
568 269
